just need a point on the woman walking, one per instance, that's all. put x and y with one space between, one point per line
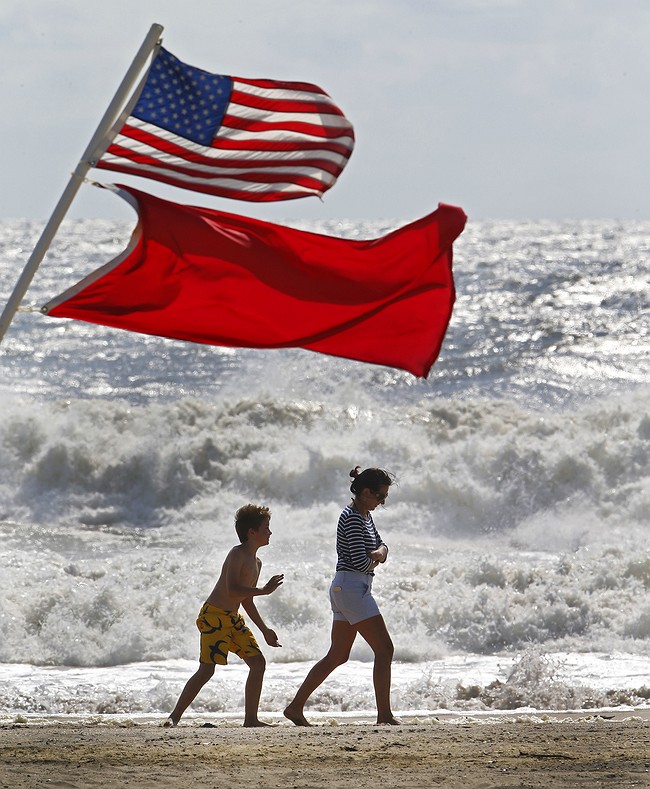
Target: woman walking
360 550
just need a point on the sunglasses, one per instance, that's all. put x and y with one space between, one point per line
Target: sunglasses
381 497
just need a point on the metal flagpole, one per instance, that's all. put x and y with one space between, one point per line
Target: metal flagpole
96 147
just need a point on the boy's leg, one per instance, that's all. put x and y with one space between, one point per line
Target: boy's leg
191 690
343 635
256 666
374 631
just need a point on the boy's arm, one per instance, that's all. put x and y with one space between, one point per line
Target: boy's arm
254 615
251 609
234 574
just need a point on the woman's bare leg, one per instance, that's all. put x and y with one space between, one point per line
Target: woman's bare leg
374 631
343 635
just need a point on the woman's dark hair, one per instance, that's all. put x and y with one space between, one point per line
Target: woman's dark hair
371 478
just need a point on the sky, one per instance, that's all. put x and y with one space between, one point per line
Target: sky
511 109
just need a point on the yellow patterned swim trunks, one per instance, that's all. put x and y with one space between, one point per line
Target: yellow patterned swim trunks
223 632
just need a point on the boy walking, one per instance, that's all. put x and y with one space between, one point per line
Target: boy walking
223 628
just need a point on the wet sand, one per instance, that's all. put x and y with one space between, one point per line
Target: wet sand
467 752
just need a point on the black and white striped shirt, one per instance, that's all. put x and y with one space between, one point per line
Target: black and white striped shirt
355 536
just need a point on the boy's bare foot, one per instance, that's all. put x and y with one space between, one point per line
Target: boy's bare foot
170 723
389 721
296 717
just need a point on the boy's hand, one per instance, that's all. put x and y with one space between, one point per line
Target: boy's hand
273 584
271 638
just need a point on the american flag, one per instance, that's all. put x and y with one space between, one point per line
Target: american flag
247 139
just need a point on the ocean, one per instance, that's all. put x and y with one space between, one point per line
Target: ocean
519 568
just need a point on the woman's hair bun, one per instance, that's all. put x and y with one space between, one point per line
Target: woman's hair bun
372 478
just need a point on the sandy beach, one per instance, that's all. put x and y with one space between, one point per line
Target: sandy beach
522 751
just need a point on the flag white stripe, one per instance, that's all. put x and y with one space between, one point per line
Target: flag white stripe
281 94
142 149
267 116
233 184
217 154
234 134
282 135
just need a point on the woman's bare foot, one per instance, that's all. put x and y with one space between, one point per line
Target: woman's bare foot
170 723
296 716
256 724
390 721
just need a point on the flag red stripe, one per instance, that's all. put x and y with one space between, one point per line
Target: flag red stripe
253 147
246 191
250 161
226 168
275 84
256 126
284 105
255 176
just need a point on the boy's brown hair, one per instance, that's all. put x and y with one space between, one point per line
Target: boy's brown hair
250 516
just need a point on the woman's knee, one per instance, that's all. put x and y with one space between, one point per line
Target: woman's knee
385 650
335 658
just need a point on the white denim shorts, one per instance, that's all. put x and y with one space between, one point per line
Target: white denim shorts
351 597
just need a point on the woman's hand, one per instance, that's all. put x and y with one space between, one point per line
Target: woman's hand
378 555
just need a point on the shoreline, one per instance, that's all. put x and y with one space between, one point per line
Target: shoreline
451 750
320 719
193 719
